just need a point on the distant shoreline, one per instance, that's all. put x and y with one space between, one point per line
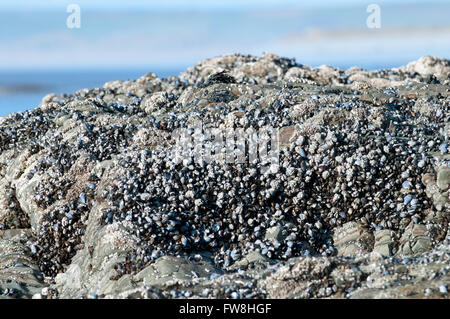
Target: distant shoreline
21 88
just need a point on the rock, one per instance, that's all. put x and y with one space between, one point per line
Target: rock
441 200
443 289
429 65
15 234
265 68
300 75
25 195
300 279
167 269
443 178
48 98
253 257
92 204
428 179
347 277
274 233
154 102
47 104
414 240
351 239
384 242
221 77
11 215
18 273
287 134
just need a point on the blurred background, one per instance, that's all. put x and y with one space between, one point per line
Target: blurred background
124 39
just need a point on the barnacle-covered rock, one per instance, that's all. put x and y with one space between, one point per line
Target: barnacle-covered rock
244 177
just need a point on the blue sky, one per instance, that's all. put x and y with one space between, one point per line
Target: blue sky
123 39
194 4
178 33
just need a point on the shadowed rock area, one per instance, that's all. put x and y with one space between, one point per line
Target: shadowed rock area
94 205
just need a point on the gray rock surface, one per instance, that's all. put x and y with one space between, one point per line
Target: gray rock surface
91 204
20 277
384 242
352 239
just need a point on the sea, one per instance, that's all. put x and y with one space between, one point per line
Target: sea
124 44
24 90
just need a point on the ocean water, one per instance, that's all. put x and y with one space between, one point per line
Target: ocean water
24 90
131 42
